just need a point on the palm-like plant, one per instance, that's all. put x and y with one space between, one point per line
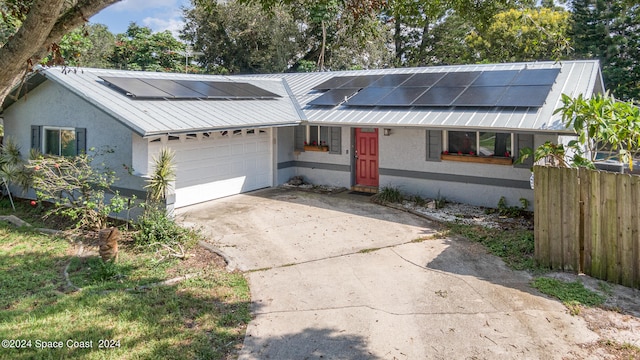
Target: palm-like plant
11 167
160 183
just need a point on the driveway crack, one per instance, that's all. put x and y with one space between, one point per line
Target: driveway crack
440 272
346 307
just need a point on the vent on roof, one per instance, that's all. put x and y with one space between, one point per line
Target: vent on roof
504 88
143 88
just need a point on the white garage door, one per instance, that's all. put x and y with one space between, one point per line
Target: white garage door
221 164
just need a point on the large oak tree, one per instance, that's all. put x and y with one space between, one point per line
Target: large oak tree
38 25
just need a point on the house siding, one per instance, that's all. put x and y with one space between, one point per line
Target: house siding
404 164
52 105
326 168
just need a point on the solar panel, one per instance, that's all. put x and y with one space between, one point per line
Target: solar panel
462 78
424 79
536 77
369 96
253 90
173 88
439 96
135 87
333 97
402 96
205 89
187 89
480 96
333 83
360 82
495 78
391 80
524 96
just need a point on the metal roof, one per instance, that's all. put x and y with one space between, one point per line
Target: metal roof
154 117
575 77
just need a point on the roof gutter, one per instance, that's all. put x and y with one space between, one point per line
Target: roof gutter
226 128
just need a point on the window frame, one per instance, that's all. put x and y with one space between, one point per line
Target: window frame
60 129
325 136
445 142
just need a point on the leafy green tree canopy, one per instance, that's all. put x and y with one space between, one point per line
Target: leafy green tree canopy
523 35
608 31
141 49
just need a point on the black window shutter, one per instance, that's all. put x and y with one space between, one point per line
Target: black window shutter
524 141
35 137
434 145
335 140
81 140
299 136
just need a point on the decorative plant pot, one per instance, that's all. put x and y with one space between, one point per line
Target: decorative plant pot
316 148
478 159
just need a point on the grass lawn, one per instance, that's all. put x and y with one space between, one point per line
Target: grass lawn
204 317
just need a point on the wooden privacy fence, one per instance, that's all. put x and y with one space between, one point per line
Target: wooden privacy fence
587 221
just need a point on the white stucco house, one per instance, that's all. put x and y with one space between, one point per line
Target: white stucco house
448 130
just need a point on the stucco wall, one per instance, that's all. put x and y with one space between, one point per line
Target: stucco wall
52 105
318 167
473 183
403 164
284 154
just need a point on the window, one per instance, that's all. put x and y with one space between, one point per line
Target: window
494 144
462 142
330 136
479 143
60 141
318 135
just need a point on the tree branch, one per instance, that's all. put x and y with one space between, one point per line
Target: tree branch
71 19
46 23
17 51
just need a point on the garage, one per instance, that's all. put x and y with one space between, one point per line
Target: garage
216 164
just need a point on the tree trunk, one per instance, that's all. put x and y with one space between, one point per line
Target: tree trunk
46 22
397 37
322 50
16 54
424 41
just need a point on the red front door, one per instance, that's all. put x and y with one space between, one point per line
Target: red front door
367 157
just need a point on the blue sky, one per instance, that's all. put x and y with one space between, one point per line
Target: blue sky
159 15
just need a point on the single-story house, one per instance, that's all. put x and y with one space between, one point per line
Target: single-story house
449 131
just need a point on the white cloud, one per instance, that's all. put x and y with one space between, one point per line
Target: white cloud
142 5
173 24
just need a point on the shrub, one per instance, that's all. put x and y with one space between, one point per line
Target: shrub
513 211
156 227
77 188
389 194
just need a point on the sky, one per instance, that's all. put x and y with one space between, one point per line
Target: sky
159 15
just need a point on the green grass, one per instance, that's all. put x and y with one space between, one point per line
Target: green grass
201 318
515 247
572 294
26 212
568 291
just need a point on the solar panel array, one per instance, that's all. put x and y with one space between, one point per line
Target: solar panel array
504 88
143 88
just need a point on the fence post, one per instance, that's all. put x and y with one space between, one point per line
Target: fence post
541 221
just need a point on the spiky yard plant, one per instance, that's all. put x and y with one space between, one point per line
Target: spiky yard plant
164 174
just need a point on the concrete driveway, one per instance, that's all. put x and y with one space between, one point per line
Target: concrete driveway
337 277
